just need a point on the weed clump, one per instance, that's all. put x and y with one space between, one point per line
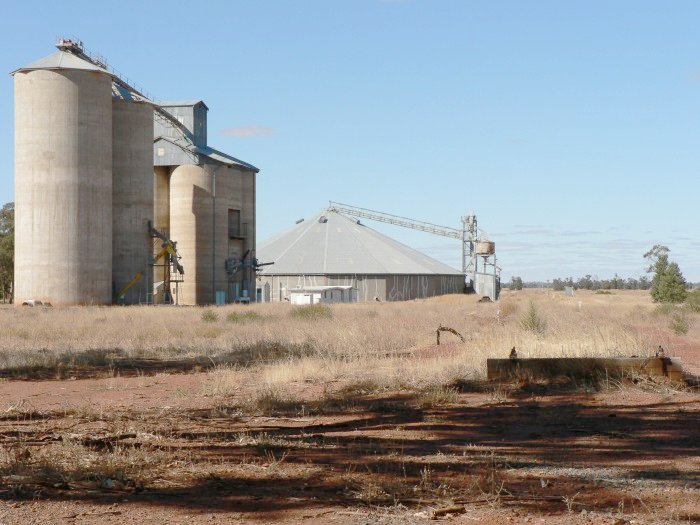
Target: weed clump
210 316
530 321
312 312
665 309
268 402
680 323
237 317
693 301
437 396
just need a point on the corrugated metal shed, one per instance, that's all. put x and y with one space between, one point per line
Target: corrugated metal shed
331 243
169 152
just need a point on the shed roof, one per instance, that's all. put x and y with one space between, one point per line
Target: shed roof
62 60
331 243
182 103
191 150
224 158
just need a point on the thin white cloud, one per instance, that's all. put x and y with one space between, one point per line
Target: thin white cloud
244 132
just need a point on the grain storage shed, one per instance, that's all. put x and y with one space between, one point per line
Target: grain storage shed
332 250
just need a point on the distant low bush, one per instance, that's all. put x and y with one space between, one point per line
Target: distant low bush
665 309
604 292
693 300
237 317
312 311
210 316
680 323
531 321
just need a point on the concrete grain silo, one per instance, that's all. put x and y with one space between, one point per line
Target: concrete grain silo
191 224
96 163
211 212
132 204
161 198
63 181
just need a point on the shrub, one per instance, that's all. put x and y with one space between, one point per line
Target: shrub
437 396
680 323
312 311
693 300
210 316
237 317
531 321
666 309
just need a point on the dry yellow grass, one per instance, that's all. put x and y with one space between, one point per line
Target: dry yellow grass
390 344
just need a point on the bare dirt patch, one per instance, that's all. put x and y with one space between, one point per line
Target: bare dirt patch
151 448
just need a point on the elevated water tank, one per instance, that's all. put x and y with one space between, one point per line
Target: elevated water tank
485 248
132 169
63 182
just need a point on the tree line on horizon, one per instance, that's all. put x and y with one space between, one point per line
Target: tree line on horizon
667 284
587 282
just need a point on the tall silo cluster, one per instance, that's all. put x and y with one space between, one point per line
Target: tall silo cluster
83 183
106 179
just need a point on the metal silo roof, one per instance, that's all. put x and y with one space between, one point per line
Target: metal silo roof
331 243
61 60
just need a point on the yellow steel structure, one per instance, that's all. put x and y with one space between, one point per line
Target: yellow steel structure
168 249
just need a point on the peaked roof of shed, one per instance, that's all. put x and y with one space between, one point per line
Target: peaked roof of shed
182 103
206 151
342 246
62 60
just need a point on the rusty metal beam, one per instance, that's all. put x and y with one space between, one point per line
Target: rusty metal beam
582 367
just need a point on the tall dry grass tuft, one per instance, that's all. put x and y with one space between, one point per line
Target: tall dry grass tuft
311 311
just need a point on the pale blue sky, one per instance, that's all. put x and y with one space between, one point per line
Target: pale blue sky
570 128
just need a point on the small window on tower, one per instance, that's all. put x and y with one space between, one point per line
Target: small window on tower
234 223
160 152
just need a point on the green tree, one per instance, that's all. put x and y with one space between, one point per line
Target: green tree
667 283
516 283
7 250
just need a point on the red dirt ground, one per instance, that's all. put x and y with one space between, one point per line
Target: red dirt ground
512 454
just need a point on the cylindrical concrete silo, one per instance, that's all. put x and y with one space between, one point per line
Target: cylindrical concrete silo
63 185
132 205
161 198
191 225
